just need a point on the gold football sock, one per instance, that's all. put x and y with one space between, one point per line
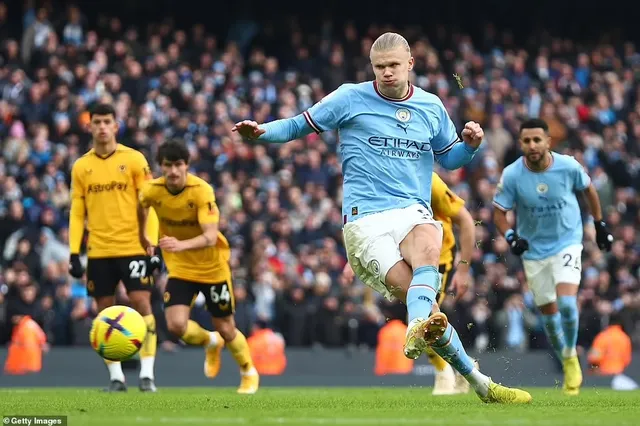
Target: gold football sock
239 349
196 335
436 360
148 349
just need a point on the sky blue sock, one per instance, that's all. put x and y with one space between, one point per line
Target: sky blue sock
553 328
422 292
568 307
450 348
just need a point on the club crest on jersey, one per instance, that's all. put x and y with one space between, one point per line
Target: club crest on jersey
403 115
122 168
542 188
191 204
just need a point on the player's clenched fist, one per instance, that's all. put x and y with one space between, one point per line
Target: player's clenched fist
472 134
248 129
171 244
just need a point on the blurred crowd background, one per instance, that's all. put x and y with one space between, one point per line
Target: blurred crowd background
280 206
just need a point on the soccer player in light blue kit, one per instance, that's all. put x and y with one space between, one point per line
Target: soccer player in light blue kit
391 132
541 186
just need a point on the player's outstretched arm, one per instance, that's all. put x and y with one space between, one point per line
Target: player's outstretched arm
279 131
328 114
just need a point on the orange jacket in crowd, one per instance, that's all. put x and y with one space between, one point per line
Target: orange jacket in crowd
611 351
267 352
25 350
390 357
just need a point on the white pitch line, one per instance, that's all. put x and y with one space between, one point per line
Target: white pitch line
332 421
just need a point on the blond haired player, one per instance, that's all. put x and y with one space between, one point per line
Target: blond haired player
449 209
197 257
104 190
391 133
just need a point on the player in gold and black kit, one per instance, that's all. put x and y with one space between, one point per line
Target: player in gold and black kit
197 257
104 191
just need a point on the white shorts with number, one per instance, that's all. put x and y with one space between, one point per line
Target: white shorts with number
545 274
373 242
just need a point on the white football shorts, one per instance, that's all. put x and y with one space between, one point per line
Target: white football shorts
545 274
373 242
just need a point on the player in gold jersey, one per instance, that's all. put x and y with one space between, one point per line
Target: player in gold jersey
449 209
104 191
197 257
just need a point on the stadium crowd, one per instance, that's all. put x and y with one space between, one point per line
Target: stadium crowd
280 206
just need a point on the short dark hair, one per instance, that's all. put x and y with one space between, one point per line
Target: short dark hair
172 151
534 123
102 109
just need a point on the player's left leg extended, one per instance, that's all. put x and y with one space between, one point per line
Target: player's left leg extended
449 347
221 305
139 285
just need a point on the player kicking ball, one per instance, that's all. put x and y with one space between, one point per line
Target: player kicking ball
104 190
541 186
197 257
391 132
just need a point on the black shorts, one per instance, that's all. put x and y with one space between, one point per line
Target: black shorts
446 269
104 274
219 297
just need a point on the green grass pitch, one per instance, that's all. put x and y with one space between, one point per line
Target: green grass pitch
318 406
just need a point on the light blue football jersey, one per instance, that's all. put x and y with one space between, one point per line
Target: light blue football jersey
546 207
387 146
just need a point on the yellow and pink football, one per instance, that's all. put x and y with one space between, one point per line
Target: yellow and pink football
118 333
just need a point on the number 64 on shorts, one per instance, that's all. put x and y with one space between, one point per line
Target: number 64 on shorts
218 297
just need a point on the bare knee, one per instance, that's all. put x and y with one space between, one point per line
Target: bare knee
177 317
141 302
422 246
549 308
226 327
398 279
177 326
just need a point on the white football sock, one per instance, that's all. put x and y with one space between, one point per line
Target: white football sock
146 367
213 339
479 382
115 371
